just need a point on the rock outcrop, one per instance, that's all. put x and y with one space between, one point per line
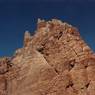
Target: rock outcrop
54 61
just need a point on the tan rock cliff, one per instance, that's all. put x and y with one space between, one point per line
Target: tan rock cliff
54 61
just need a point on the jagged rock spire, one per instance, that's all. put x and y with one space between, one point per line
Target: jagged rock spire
27 38
39 20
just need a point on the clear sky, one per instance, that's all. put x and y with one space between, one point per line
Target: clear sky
17 16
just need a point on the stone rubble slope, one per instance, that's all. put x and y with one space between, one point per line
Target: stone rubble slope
53 61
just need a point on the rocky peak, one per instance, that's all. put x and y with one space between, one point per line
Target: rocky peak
54 61
55 25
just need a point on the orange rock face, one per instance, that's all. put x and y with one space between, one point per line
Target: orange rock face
54 61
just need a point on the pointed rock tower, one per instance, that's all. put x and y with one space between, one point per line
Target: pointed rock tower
27 38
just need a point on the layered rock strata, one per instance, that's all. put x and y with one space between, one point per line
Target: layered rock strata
54 61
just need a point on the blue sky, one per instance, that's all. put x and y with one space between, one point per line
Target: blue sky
17 16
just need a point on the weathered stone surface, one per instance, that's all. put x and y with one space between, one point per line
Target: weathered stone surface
55 61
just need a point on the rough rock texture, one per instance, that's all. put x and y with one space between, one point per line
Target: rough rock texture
55 61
